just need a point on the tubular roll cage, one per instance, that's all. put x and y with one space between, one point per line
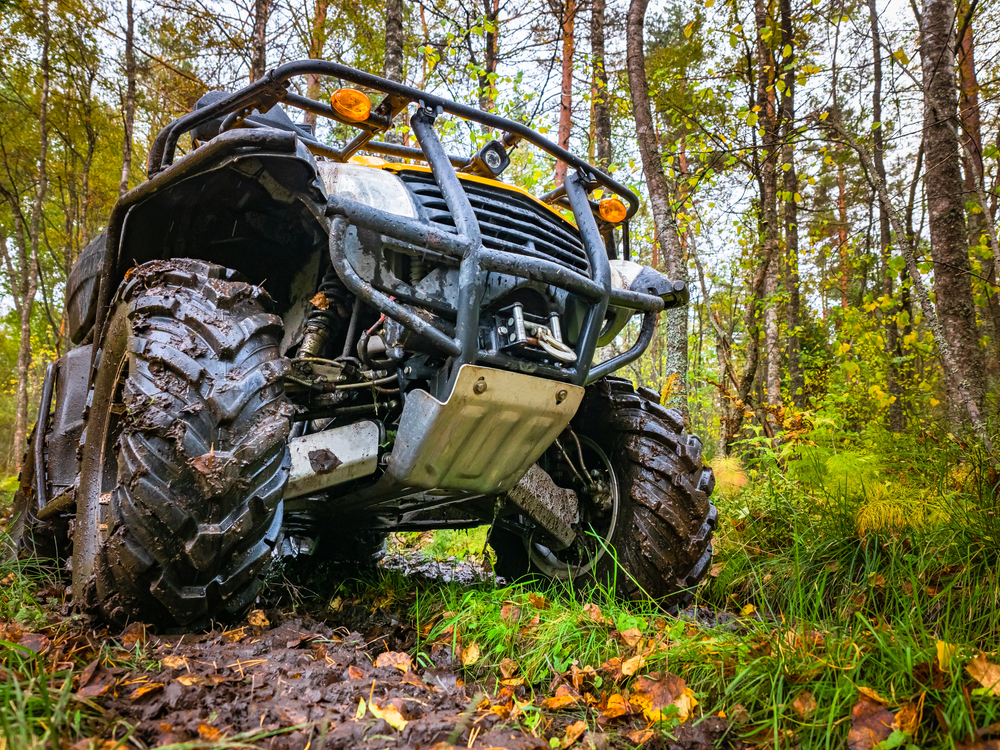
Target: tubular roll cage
466 245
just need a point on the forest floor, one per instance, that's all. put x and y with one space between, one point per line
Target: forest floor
824 624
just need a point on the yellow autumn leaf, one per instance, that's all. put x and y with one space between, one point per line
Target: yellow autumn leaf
390 714
985 673
945 653
362 707
470 654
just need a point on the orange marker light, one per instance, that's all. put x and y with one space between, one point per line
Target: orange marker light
351 104
613 210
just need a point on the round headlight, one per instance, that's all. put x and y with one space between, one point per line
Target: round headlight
369 185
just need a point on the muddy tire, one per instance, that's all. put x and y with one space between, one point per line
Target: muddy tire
31 536
658 522
185 458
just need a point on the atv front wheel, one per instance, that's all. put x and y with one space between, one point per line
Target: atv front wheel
646 520
185 458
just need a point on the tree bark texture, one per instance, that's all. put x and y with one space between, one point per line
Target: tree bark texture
568 22
896 417
602 112
491 54
969 116
393 62
129 98
258 60
317 46
659 195
945 205
790 184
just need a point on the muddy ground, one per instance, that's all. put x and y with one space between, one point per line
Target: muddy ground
343 678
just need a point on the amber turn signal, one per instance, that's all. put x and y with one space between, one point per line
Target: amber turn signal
351 104
613 210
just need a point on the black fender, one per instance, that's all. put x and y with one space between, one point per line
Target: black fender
250 199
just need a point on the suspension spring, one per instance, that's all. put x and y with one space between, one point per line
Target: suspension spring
331 306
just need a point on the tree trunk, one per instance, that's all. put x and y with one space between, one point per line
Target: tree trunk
768 203
790 184
949 242
258 62
896 418
842 233
129 99
602 112
317 46
487 81
28 276
566 97
393 63
969 116
659 196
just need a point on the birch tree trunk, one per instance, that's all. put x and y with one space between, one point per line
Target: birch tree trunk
659 196
258 61
946 210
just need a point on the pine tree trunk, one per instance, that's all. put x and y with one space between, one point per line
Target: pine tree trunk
659 195
946 210
566 96
896 419
129 99
602 112
258 61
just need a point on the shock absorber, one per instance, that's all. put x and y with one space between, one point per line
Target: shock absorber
331 305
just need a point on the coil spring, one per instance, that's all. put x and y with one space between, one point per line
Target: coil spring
321 323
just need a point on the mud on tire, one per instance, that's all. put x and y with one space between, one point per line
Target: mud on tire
662 534
193 462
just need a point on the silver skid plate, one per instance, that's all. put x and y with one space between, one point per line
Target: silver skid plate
493 427
331 457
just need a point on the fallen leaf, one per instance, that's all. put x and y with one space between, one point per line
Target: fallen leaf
594 612
877 580
134 635
908 718
573 732
617 706
470 654
871 724
396 659
557 702
354 673
653 696
640 736
631 636
187 680
945 653
512 681
258 619
209 733
538 601
510 612
362 708
804 704
508 667
95 680
633 665
390 714
35 642
235 635
144 690
174 662
613 668
716 569
985 673
872 695
748 610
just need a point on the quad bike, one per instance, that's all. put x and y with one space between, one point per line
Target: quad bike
277 338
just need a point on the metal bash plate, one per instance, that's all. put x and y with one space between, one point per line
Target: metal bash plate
488 433
331 457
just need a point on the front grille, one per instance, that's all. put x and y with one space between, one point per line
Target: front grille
508 221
